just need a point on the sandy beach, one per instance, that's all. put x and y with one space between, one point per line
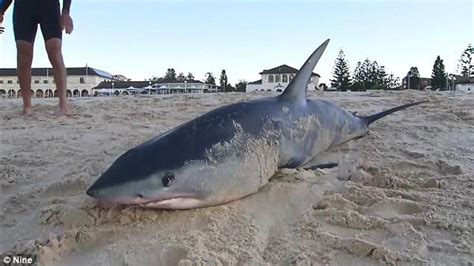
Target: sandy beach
404 194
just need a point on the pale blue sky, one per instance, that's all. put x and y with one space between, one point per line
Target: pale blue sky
143 38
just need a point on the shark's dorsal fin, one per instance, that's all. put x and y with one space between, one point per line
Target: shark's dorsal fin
297 88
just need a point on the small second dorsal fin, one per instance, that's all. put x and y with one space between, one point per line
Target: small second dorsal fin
297 88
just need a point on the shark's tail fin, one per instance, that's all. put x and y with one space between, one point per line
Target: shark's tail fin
371 118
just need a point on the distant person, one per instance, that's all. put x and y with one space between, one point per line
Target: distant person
27 14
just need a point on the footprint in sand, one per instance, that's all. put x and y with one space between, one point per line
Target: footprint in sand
66 188
378 177
395 208
412 154
20 203
465 116
173 255
445 168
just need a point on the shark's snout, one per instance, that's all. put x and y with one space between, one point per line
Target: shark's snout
92 192
102 193
96 189
105 195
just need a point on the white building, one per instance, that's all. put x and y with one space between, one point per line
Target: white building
278 78
465 84
80 81
117 87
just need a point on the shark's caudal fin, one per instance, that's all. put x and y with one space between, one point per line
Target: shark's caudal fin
371 118
297 87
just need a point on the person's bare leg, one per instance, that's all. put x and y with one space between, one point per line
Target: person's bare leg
24 60
53 48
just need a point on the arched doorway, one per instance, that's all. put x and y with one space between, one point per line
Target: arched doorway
84 93
68 93
11 94
3 93
55 93
48 93
76 93
39 94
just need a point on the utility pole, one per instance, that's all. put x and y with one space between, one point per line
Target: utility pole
469 67
454 86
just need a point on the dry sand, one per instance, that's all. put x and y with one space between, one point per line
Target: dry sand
401 195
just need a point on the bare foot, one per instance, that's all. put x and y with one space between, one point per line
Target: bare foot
27 111
65 110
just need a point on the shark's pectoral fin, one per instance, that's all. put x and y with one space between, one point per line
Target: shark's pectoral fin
294 162
321 166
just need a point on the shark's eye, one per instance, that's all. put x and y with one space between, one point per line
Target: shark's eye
167 180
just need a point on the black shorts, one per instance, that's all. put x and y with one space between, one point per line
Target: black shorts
27 14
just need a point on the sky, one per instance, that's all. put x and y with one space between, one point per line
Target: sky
140 38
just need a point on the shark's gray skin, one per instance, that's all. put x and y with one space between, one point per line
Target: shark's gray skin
232 151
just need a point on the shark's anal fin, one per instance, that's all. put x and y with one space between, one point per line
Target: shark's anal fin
296 90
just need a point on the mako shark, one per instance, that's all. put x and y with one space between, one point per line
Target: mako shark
232 151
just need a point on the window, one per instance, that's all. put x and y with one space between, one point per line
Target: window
45 81
277 78
37 81
270 79
284 78
81 80
10 82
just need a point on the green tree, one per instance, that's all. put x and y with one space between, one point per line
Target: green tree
190 76
241 85
381 75
223 81
391 82
438 75
229 88
465 66
369 75
341 76
154 78
414 71
210 78
360 76
363 76
170 75
323 86
181 77
413 78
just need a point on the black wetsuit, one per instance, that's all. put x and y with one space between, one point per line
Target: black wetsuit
27 14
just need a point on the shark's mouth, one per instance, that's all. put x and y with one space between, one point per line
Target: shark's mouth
172 203
168 200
